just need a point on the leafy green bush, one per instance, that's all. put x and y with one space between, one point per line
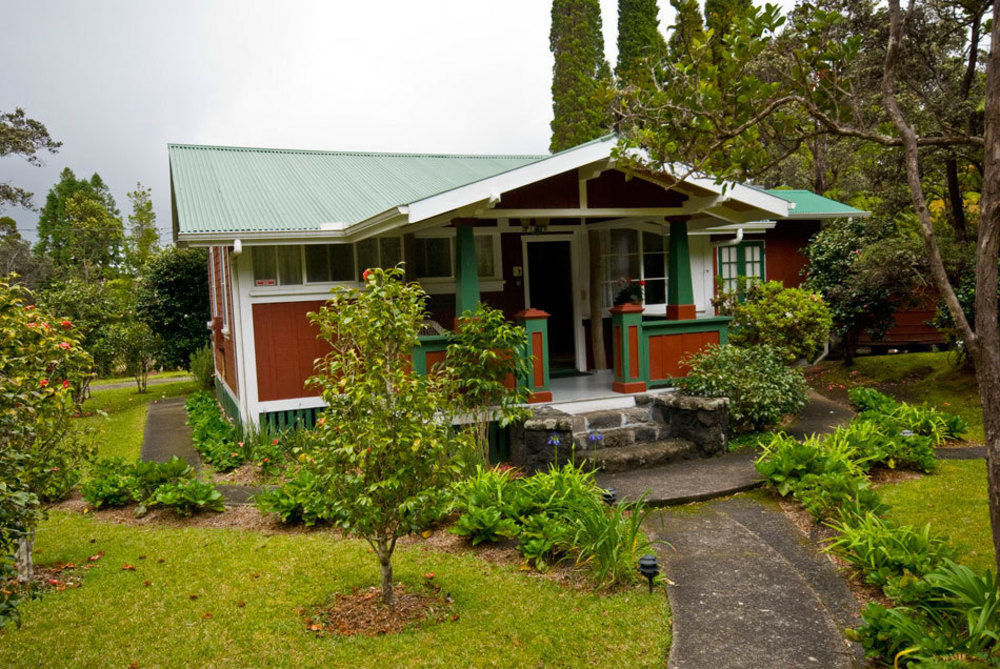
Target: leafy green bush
922 420
111 485
555 515
297 501
760 387
883 443
958 617
820 474
201 364
115 482
886 551
188 497
794 321
212 435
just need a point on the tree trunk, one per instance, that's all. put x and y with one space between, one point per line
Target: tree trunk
985 347
955 201
25 558
384 548
596 301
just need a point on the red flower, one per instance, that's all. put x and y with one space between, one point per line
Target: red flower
642 283
31 324
274 443
64 345
65 384
66 325
43 383
367 273
45 325
29 307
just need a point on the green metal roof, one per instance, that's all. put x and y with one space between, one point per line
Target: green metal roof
810 205
239 189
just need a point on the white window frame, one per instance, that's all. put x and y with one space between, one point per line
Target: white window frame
446 284
640 252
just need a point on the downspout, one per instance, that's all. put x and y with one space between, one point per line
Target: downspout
732 242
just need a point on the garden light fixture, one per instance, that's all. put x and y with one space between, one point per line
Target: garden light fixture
649 567
610 496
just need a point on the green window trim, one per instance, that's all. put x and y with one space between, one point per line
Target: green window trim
746 259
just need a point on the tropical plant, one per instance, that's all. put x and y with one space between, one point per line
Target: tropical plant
760 387
188 497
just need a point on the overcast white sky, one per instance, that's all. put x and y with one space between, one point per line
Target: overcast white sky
116 80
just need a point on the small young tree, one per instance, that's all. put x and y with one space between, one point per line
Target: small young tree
794 321
143 237
386 449
135 346
40 362
482 363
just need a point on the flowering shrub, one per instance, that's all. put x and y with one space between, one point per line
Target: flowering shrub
792 320
760 387
40 454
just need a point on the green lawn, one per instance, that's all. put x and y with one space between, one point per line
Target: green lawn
120 433
171 374
954 501
506 618
910 377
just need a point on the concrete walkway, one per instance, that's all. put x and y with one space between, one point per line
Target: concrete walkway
819 416
167 434
749 590
686 481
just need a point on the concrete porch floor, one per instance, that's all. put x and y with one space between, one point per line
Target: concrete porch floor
590 392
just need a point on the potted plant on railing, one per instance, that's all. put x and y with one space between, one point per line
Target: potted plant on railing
629 291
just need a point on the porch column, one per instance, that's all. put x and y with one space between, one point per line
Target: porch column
534 322
630 358
680 296
466 274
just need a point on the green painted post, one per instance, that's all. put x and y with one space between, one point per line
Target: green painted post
535 324
466 271
631 360
680 294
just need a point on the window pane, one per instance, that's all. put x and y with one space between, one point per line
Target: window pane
656 291
652 243
289 265
317 263
624 254
367 254
342 262
485 262
265 271
433 257
390 251
653 257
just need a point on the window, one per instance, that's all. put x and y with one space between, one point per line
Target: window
746 260
327 263
486 260
433 257
631 255
277 265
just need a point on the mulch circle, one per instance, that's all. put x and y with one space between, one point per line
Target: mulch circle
362 612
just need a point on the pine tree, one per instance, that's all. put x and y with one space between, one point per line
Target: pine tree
143 238
53 220
580 75
688 28
639 38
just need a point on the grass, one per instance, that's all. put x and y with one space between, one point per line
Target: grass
954 500
120 432
910 377
505 617
170 374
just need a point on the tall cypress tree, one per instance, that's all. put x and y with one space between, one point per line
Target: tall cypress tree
580 74
688 27
720 15
639 37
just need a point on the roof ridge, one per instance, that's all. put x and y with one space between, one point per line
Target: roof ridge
385 154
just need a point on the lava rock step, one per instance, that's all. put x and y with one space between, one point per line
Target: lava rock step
639 455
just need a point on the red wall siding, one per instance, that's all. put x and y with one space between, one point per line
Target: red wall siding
667 351
613 189
784 255
561 191
286 347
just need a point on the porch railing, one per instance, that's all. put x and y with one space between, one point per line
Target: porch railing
650 352
431 351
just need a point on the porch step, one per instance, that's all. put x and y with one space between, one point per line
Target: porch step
617 437
639 456
611 418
